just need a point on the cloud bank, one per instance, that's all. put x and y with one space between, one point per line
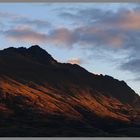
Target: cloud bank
107 30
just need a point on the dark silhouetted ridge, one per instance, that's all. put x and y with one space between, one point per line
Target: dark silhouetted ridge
34 52
39 54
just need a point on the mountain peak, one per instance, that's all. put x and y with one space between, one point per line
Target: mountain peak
36 47
34 52
40 55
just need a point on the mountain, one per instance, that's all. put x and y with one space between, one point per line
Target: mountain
42 97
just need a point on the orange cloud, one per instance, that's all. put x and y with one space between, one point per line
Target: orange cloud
74 61
131 20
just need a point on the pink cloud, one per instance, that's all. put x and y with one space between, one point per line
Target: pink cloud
61 36
74 61
25 33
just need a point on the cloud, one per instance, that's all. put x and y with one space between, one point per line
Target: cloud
106 27
18 19
86 15
125 19
6 14
98 37
85 36
133 65
24 33
122 18
74 61
62 36
131 20
98 27
39 23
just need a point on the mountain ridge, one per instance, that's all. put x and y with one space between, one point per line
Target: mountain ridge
36 89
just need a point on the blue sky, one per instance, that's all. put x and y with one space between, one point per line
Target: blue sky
102 37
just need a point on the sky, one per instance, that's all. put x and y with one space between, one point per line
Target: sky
104 38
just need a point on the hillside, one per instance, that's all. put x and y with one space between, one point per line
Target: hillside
42 97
